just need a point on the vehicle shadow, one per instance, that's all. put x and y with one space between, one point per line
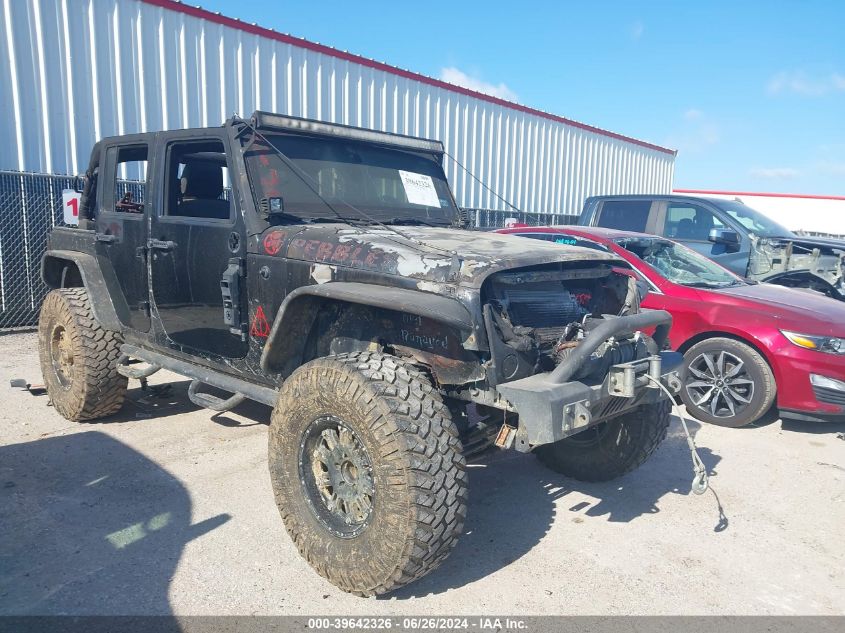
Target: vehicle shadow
169 399
514 502
796 426
156 401
255 413
89 526
815 428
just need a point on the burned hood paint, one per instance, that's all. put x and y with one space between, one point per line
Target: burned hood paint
431 254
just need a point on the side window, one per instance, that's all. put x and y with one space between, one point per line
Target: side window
130 181
197 181
625 215
689 222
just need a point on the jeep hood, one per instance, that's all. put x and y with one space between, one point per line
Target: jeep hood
428 254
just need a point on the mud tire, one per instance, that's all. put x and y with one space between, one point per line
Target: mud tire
418 472
610 449
89 386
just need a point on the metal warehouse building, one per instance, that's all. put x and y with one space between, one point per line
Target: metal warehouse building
73 71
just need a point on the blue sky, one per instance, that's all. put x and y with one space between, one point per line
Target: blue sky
752 94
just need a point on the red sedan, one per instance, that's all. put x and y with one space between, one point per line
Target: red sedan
746 345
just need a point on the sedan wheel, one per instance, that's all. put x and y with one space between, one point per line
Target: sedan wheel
718 382
727 382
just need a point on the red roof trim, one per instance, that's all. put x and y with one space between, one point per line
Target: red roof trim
766 195
203 14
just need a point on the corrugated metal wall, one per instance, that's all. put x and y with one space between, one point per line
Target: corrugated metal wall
73 71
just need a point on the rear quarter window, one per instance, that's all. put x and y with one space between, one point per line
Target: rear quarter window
625 215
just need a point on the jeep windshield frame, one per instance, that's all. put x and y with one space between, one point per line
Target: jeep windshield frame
314 177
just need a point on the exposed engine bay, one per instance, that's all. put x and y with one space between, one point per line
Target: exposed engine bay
541 315
796 263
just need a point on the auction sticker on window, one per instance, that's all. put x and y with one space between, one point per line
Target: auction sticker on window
419 188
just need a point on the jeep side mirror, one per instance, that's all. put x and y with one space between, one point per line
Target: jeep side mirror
642 289
724 236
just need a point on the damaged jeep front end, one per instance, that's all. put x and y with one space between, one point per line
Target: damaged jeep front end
797 263
567 349
589 387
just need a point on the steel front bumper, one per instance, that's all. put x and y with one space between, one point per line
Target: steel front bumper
551 407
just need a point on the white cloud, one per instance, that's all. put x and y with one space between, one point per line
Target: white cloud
695 132
832 168
460 78
799 82
637 30
774 173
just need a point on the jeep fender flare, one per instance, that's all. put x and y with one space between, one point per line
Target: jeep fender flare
53 265
299 308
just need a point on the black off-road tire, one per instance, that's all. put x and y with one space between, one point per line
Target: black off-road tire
419 482
754 368
78 357
609 449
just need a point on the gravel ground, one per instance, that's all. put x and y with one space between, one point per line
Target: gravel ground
168 509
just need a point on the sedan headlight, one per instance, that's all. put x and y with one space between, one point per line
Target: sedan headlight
828 344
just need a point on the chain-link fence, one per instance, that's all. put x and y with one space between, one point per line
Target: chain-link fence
494 219
31 204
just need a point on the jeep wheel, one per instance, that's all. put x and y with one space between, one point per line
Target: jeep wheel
367 471
609 449
78 357
726 382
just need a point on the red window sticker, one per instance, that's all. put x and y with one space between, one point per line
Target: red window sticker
260 327
273 242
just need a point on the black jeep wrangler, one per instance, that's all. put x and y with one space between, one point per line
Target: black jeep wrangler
320 269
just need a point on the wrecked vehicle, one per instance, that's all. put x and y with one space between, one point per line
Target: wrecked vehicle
316 268
743 353
736 236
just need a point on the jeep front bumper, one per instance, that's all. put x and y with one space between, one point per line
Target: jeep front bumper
551 407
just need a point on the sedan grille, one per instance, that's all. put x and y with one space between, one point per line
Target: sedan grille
829 396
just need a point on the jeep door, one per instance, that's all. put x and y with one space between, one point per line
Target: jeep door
121 227
196 237
690 222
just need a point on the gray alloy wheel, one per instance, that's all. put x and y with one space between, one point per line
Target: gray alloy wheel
726 382
718 381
